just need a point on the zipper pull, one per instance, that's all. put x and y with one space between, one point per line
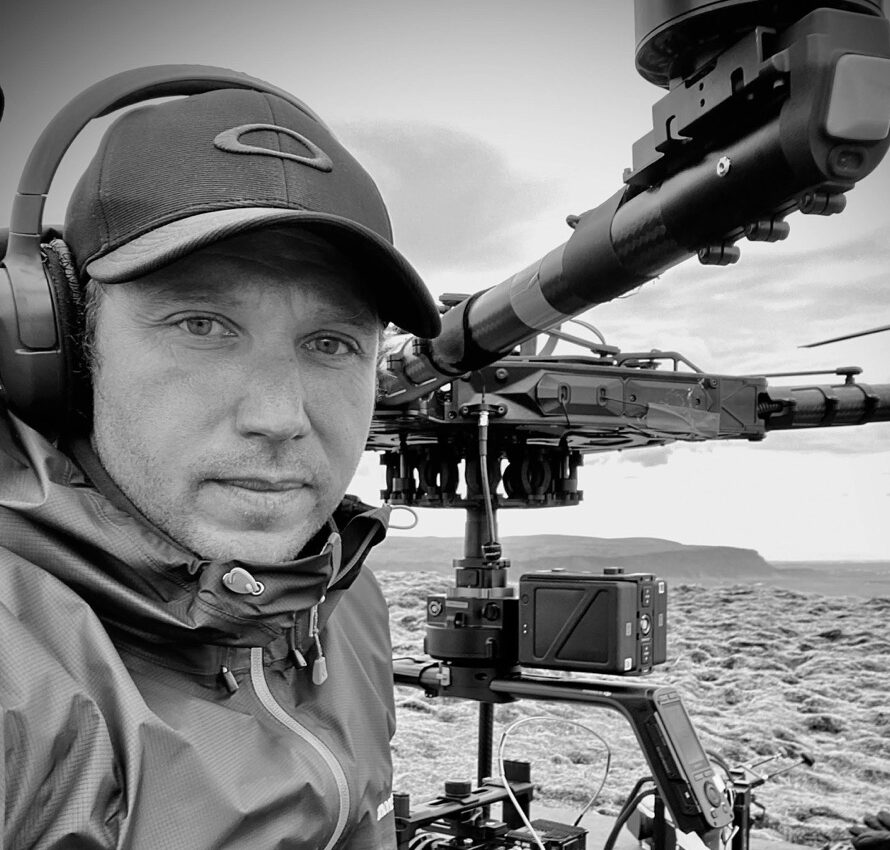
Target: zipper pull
229 679
320 665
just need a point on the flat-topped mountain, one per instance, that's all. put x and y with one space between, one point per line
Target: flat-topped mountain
679 563
666 558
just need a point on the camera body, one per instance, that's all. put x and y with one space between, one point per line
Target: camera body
613 623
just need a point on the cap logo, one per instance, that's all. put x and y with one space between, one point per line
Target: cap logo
230 140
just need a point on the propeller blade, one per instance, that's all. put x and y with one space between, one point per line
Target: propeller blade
848 336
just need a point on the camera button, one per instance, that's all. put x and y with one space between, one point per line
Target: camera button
715 798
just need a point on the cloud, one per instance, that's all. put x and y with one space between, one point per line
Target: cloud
866 439
648 456
824 281
751 318
455 201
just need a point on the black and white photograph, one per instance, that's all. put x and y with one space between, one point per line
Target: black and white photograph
445 425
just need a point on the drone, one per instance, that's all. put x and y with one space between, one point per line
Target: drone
771 109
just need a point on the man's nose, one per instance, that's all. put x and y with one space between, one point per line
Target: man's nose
272 404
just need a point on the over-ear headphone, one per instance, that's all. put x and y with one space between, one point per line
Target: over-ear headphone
41 373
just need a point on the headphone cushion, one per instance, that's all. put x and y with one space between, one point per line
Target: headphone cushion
68 301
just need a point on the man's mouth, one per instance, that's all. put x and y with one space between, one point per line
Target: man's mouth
257 503
263 485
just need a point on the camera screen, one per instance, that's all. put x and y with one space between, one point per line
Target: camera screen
682 735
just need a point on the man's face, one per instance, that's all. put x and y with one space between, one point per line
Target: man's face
233 391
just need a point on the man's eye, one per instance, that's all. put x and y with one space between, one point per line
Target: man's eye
203 326
331 345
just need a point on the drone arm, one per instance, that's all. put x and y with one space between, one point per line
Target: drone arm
796 147
783 408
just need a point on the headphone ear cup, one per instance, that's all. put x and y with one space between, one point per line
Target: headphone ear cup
68 301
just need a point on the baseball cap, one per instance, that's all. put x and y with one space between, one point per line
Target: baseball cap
176 176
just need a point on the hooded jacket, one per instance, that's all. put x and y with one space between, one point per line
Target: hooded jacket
151 699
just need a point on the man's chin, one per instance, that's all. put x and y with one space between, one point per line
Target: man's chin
250 546
222 539
256 529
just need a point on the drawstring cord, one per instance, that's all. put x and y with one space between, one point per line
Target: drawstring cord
227 675
299 658
320 664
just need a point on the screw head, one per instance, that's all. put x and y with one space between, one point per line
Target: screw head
723 166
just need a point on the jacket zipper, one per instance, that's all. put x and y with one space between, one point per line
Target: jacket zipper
258 679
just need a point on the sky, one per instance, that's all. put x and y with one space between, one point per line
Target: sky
485 124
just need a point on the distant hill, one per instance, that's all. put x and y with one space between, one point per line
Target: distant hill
668 559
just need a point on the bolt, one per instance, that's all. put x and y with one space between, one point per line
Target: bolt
723 166
501 374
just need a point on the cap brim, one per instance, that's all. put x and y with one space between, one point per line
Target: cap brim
401 295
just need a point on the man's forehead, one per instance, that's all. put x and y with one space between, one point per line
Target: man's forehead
234 272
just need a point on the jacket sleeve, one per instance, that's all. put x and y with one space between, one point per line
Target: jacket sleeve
364 611
58 778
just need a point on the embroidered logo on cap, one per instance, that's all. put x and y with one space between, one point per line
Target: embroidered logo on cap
230 140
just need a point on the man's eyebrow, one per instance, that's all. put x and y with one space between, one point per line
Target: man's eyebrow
162 293
170 295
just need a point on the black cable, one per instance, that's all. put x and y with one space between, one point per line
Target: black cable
624 815
637 788
483 476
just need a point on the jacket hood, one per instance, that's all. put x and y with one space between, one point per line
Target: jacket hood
70 520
